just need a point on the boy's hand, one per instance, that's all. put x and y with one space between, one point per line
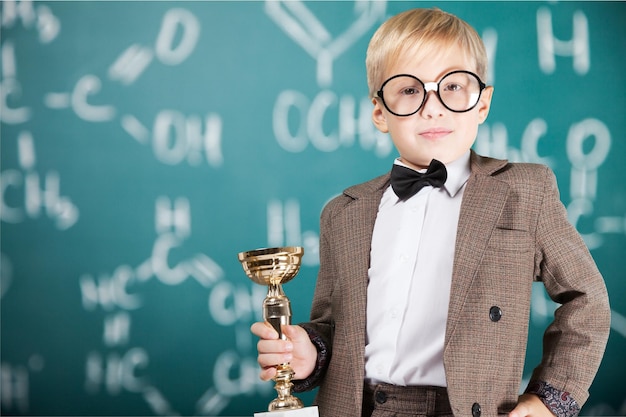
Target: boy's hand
298 350
529 405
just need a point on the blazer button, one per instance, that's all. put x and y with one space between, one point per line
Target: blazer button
381 397
495 313
476 410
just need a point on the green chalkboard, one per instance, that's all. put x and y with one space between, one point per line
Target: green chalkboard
145 144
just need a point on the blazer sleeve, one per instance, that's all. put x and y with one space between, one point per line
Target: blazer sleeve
320 328
574 343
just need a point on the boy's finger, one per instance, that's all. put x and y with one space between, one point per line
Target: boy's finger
271 360
264 330
267 373
295 333
265 346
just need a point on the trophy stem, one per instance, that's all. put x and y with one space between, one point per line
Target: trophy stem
277 312
277 308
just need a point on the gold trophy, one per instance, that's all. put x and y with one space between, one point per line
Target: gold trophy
274 267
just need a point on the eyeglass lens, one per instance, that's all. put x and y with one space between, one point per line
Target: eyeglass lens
404 95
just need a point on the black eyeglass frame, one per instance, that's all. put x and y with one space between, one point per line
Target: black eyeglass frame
380 95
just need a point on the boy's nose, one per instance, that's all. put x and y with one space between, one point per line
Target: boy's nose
432 106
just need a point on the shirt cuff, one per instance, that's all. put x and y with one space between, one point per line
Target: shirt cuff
323 356
559 402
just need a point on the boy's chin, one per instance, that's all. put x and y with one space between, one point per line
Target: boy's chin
417 164
423 161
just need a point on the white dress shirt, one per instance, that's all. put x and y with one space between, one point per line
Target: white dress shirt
409 282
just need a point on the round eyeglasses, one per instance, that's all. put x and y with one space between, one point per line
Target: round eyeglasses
404 94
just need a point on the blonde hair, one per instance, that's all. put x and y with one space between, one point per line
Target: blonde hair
423 30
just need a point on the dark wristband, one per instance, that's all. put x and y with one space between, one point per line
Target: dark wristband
323 356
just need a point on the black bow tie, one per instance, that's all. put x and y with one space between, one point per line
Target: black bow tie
407 182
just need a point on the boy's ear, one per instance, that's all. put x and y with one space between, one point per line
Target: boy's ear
378 116
484 104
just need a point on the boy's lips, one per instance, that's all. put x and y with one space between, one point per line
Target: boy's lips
435 133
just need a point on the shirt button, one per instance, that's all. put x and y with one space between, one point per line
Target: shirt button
393 314
403 258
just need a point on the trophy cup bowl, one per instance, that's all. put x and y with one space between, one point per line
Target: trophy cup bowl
274 267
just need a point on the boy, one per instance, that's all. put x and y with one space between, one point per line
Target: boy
423 294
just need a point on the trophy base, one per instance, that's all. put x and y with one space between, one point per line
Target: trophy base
300 412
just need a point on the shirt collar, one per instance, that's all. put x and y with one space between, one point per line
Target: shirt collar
458 173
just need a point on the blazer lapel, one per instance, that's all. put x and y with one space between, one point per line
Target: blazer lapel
483 200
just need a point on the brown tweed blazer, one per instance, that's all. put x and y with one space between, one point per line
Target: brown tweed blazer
512 230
